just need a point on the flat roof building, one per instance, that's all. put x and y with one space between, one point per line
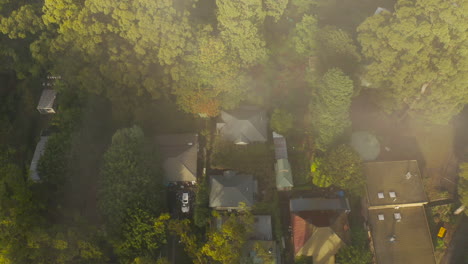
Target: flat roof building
396 215
394 183
46 102
401 236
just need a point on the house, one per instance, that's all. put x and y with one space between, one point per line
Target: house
284 178
396 215
179 153
244 125
319 227
46 102
38 152
230 189
261 248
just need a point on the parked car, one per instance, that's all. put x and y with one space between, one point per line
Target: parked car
185 202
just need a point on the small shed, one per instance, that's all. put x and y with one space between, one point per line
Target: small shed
40 148
284 178
46 102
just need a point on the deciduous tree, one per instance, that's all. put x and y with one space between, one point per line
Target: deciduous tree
418 58
281 121
463 185
210 78
225 245
341 167
304 38
337 49
240 24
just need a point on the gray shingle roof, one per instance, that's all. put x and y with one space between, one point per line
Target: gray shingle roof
231 188
312 204
281 149
47 99
179 152
40 148
262 228
244 125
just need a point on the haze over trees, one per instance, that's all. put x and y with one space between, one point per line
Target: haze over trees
418 58
138 62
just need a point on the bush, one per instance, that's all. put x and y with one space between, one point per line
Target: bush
281 121
201 212
341 167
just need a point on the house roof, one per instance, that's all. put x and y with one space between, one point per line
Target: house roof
320 242
400 177
314 204
38 152
262 228
284 177
231 188
412 239
47 99
244 125
281 149
179 152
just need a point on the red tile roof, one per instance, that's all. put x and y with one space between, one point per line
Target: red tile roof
301 232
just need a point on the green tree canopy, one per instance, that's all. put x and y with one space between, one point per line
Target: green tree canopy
304 36
337 49
131 178
418 58
114 47
240 24
275 8
225 245
463 185
330 107
281 121
341 167
142 235
210 78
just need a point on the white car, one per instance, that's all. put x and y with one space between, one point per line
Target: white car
185 202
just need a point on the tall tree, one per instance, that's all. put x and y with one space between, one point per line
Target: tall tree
304 38
418 58
275 8
142 235
330 107
225 245
463 185
118 48
131 178
210 78
337 49
341 167
240 24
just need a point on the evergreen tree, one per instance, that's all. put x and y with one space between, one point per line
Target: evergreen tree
330 107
